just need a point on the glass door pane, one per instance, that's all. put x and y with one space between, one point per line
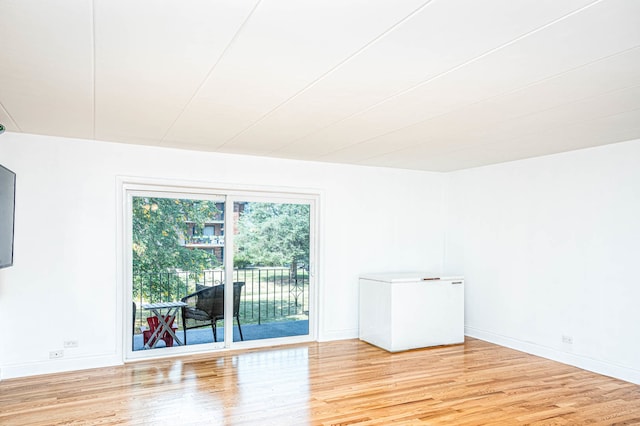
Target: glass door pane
177 253
271 269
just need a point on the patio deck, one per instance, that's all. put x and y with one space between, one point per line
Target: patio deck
249 331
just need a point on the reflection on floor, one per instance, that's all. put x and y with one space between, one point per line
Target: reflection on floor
249 331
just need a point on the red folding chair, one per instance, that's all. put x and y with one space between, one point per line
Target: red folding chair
153 324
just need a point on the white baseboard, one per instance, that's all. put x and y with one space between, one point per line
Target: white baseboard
12 371
327 336
58 366
586 363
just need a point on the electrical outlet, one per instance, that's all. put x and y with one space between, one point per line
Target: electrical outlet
70 343
567 339
56 354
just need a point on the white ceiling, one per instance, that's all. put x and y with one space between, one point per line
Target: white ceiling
429 85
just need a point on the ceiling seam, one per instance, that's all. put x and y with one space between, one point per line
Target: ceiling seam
211 70
510 92
574 123
442 74
491 144
14 122
564 124
329 72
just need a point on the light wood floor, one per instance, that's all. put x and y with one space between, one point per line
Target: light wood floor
335 383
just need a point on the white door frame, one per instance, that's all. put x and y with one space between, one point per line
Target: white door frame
127 187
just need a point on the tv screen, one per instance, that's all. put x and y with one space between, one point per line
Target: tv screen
7 215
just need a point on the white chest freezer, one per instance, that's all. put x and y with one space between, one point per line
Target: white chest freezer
404 311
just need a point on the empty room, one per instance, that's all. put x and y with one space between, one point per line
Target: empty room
262 212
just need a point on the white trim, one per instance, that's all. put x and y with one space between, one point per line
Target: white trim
314 262
204 187
128 186
59 366
204 349
583 362
351 333
122 310
228 271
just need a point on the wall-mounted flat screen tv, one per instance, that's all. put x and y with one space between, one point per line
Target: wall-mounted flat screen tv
7 215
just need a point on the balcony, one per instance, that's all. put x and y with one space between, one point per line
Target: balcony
205 241
274 302
266 330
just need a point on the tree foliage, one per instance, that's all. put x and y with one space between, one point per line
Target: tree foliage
272 234
159 226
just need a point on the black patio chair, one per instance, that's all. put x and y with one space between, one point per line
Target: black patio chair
206 307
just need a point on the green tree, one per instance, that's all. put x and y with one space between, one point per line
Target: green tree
273 234
159 227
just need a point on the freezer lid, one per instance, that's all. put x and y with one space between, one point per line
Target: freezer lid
400 277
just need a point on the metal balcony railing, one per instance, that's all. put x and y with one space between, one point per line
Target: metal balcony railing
214 240
269 294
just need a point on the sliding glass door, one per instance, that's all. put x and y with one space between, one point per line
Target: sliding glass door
211 270
178 270
271 264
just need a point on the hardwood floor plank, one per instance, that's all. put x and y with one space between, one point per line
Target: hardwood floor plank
333 383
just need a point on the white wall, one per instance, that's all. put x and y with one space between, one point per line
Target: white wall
548 245
64 283
551 247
